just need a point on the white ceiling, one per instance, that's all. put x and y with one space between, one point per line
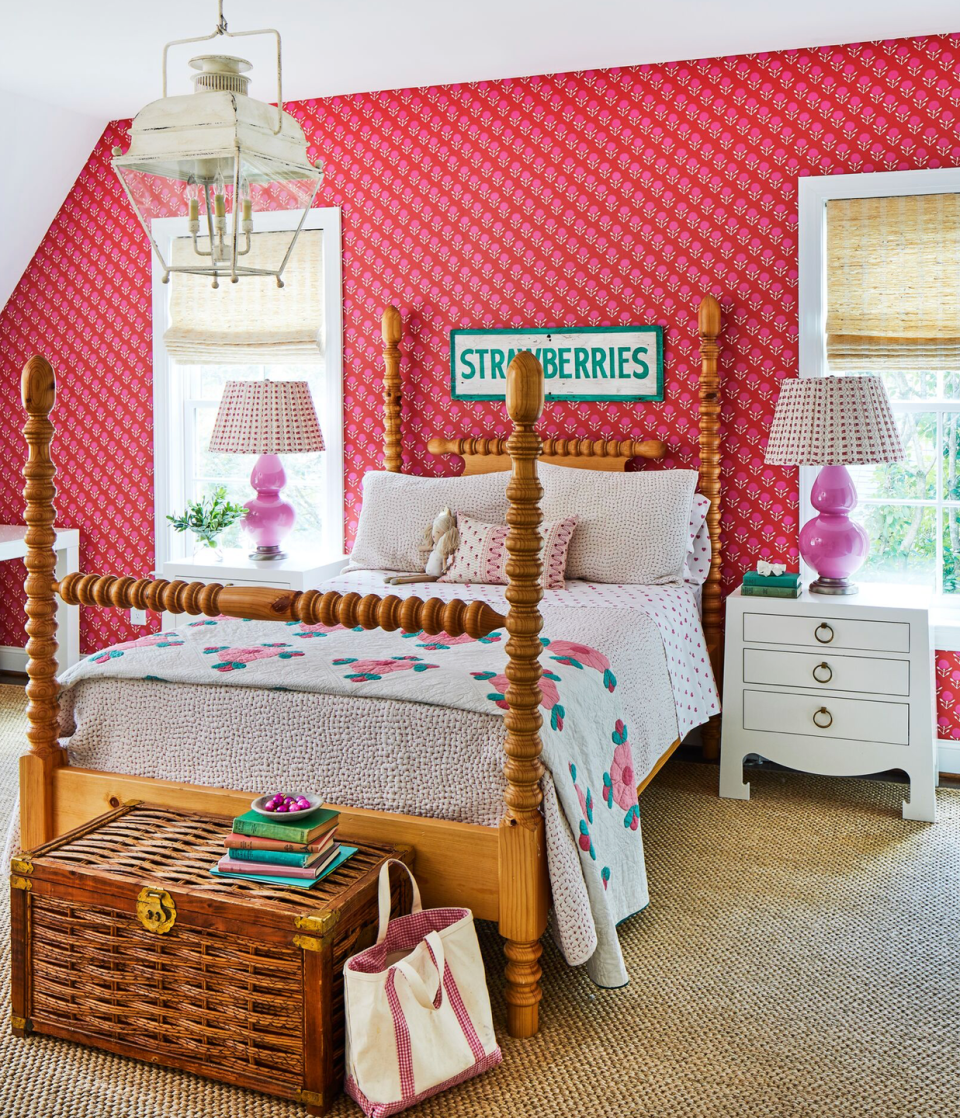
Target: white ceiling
102 57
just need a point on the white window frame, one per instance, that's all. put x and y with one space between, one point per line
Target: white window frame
813 194
169 452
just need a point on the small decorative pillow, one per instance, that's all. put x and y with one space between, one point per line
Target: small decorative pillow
482 553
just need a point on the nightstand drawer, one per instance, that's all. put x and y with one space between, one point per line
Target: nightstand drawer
827 671
780 712
827 632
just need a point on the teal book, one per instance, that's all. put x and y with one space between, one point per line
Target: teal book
788 578
295 882
301 827
277 857
770 591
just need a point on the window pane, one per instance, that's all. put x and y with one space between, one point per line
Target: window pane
916 476
951 385
951 551
951 455
909 385
902 544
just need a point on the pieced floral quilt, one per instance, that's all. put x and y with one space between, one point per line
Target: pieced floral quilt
586 734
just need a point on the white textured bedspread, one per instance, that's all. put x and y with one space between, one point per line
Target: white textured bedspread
251 704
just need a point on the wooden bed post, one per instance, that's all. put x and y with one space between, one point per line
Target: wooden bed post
523 865
710 487
38 390
392 329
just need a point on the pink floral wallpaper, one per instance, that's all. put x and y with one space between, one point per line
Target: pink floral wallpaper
590 198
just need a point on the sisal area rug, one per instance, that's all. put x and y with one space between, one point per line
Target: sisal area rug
800 959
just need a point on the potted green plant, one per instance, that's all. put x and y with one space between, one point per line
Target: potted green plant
208 518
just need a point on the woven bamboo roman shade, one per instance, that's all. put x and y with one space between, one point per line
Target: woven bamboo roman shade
253 322
893 283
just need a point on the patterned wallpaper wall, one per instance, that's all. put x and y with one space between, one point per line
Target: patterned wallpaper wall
590 198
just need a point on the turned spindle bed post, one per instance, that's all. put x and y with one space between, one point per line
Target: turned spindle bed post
712 600
523 864
392 330
38 390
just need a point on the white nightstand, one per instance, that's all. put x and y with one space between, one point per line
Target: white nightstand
836 685
301 570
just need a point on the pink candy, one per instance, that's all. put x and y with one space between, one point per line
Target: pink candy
279 802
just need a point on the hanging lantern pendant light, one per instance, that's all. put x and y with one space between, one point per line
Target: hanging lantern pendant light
218 157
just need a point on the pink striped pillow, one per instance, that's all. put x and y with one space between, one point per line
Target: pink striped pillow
482 552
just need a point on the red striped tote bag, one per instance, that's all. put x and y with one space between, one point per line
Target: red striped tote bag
417 1009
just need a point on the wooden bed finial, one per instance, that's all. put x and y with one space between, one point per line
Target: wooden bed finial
523 899
712 608
392 328
39 393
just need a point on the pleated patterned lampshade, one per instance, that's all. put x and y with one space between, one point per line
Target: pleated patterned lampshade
833 421
266 417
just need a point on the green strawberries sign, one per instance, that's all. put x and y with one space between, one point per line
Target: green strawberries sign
589 363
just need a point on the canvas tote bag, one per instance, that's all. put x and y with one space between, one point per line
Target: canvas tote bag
417 1009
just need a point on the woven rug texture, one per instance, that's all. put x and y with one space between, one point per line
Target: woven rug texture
800 959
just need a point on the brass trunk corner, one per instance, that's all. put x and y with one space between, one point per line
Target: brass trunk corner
20 883
19 1022
310 1098
21 866
323 924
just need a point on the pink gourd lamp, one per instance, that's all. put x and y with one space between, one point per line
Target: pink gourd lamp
269 418
833 422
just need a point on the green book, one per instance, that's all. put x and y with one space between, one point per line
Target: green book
301 827
770 591
788 578
295 882
277 857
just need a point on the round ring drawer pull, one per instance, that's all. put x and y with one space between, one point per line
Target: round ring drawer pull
824 667
828 631
820 714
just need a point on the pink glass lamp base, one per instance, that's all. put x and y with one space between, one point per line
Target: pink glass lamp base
269 518
833 544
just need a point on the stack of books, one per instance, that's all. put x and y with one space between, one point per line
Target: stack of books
756 585
284 850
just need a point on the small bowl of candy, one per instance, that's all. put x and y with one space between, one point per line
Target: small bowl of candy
278 804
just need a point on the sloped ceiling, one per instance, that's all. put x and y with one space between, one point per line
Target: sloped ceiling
44 149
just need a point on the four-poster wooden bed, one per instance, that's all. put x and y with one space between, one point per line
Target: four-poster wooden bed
501 872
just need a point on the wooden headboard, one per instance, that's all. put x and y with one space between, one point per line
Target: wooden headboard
486 455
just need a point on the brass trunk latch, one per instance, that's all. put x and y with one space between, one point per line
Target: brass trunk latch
156 910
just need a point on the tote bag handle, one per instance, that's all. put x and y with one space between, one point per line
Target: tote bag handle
417 986
384 895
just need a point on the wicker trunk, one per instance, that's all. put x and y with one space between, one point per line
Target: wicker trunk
122 939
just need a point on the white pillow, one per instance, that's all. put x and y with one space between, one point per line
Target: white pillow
398 508
631 528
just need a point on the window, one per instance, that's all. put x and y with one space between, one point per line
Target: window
189 380
880 293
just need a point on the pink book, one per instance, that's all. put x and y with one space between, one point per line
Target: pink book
258 869
252 842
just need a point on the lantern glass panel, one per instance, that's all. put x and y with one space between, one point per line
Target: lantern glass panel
203 191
